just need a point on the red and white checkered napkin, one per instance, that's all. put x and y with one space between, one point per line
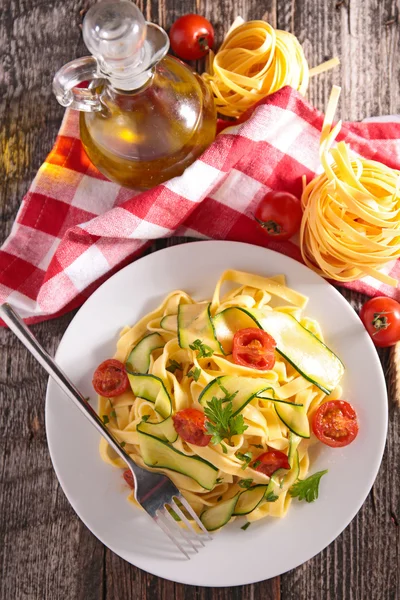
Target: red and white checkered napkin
75 228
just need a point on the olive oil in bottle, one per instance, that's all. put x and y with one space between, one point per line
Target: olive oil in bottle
145 116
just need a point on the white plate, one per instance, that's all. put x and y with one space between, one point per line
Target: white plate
96 490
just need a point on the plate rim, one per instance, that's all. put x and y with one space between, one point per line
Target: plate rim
372 474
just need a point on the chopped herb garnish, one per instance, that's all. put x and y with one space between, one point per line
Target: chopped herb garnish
221 424
145 418
258 446
203 350
245 526
87 399
105 419
228 397
255 464
246 457
195 373
307 489
219 498
174 365
218 480
224 449
122 444
271 497
245 483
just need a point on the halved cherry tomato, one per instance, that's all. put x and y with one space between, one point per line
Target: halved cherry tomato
335 423
271 461
381 318
127 475
279 215
254 348
191 37
189 423
110 378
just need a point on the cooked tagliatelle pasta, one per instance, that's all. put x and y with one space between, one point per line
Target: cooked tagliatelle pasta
351 225
179 357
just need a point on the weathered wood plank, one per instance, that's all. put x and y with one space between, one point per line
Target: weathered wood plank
356 32
45 551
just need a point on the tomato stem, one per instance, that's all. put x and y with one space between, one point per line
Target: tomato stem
272 227
203 43
380 322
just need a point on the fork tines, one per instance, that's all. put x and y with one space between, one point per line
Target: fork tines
170 526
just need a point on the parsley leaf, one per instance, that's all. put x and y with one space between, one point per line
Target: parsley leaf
219 498
307 489
245 483
221 424
204 351
258 446
271 497
224 449
255 464
195 373
245 526
122 444
246 457
105 419
145 418
174 365
218 480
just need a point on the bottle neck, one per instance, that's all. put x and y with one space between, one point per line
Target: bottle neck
116 93
132 75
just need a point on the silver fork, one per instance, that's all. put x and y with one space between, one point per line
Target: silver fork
154 491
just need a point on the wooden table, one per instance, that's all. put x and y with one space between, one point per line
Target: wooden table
46 552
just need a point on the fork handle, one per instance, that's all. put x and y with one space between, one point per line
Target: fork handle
16 324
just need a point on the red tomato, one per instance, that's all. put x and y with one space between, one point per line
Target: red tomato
335 423
190 424
279 215
381 318
254 348
271 461
127 475
110 378
191 37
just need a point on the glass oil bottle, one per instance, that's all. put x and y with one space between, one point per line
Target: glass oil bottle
145 115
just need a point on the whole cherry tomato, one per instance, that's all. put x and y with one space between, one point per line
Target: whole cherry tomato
381 318
279 215
191 37
271 461
335 423
254 348
189 423
110 378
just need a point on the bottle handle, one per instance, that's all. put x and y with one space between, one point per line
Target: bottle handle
67 79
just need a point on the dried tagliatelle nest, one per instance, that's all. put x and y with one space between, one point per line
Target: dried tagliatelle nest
351 220
256 60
